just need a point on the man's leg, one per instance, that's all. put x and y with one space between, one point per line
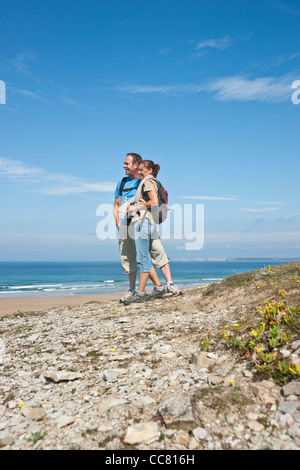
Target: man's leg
166 271
127 257
132 281
161 261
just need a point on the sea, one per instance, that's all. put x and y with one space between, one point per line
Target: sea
47 279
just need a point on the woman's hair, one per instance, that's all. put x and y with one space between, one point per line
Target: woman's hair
149 164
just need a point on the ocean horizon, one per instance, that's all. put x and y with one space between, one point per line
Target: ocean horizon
62 279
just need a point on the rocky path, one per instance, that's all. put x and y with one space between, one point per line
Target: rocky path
105 376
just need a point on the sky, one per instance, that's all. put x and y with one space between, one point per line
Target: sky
205 89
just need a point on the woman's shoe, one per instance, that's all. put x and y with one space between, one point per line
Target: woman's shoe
156 293
172 289
135 297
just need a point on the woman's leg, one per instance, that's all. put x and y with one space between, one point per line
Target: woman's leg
142 236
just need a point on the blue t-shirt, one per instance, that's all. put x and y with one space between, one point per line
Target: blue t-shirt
126 195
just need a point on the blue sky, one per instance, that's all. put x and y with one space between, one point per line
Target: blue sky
203 88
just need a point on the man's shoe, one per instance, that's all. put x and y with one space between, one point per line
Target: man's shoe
135 298
156 293
174 289
127 296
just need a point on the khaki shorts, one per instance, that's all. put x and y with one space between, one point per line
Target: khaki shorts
127 254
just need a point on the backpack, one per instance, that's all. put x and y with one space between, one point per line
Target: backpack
159 215
123 182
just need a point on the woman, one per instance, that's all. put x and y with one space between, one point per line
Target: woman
143 225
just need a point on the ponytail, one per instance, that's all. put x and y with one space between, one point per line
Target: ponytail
150 165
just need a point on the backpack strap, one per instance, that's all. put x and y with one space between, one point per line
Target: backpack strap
145 193
126 190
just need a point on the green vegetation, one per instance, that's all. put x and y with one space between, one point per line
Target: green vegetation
35 437
265 333
276 328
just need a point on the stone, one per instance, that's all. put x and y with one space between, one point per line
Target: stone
263 393
64 421
142 433
6 440
203 361
294 430
200 433
61 376
109 403
295 344
178 412
112 375
35 413
288 407
292 388
255 426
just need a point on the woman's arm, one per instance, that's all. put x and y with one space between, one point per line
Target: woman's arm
153 200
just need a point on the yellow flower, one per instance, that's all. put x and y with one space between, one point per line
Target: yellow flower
111 336
112 350
257 287
231 382
227 326
21 404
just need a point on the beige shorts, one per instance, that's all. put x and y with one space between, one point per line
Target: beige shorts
127 254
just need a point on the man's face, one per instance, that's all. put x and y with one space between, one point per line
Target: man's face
129 167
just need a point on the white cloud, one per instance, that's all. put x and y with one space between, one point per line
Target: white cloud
79 186
269 202
211 198
48 239
252 237
238 88
50 183
233 88
222 43
16 170
21 63
71 101
172 90
266 209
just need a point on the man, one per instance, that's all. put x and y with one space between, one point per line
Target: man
125 190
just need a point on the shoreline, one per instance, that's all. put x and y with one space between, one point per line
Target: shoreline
11 306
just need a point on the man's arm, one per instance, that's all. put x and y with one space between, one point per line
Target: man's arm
116 209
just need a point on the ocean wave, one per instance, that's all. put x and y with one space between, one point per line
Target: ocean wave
30 286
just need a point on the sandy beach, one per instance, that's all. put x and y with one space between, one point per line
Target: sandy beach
38 304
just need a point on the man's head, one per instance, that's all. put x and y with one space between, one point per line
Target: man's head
131 164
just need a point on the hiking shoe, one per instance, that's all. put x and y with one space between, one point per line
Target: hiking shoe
127 296
156 293
174 289
135 297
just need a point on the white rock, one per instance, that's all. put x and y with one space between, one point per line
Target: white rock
64 421
142 433
200 433
61 376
